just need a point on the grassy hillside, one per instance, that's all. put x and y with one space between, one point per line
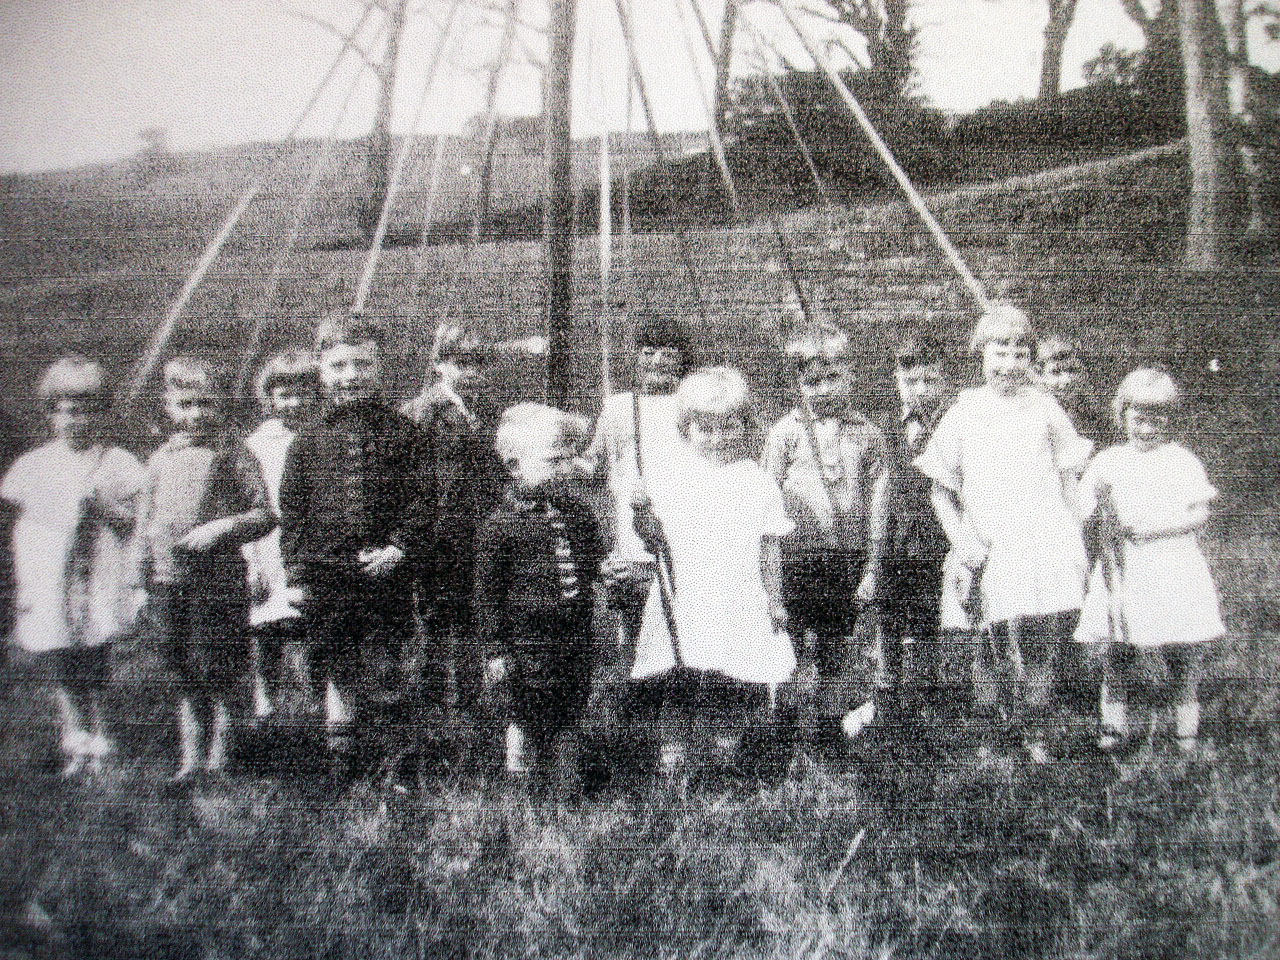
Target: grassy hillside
926 853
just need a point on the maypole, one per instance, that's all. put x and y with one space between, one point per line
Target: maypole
558 218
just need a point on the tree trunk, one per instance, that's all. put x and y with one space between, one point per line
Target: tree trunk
558 219
1061 14
724 61
379 143
1213 219
1258 179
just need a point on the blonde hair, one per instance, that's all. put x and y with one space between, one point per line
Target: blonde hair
530 426
1145 387
716 392
295 367
1003 323
73 376
191 373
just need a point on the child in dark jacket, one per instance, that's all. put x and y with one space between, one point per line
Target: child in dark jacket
539 556
357 514
205 500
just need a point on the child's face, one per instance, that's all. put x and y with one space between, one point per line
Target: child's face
717 437
1063 376
1146 427
1006 364
72 420
192 411
291 403
658 369
543 463
921 387
826 386
351 372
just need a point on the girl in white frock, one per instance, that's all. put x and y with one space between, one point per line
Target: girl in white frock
1004 461
76 500
1152 588
722 518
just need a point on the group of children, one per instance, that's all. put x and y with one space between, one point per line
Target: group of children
429 553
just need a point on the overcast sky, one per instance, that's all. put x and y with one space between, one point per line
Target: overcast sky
81 78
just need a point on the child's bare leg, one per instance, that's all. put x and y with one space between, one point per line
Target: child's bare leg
74 738
1113 698
1037 641
190 737
1186 666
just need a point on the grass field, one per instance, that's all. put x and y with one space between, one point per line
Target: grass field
907 853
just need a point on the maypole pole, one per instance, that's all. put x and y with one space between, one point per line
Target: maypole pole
558 217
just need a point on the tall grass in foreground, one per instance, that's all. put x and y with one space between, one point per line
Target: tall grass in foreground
934 855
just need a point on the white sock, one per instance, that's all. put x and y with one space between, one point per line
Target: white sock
336 711
1115 714
217 758
1187 720
515 758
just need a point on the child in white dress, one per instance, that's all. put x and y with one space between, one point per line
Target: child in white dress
1151 589
1004 461
722 519
76 500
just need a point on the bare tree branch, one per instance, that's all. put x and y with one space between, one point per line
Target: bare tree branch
348 38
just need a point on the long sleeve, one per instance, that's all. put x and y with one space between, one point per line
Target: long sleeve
491 581
294 508
416 527
256 518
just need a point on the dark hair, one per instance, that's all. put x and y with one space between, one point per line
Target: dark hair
656 332
344 328
918 350
293 367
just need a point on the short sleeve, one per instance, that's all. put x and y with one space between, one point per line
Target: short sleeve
1192 481
27 480
1070 450
774 519
941 460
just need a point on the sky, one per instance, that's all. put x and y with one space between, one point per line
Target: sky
82 78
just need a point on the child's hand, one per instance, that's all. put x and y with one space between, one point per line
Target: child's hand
495 670
205 537
869 585
778 614
380 562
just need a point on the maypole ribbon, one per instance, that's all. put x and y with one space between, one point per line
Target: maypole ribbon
380 231
164 331
913 196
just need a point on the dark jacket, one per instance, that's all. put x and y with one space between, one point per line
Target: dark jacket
528 598
358 478
469 479
914 532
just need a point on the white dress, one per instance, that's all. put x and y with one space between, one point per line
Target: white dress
269 445
1165 592
1003 457
614 450
715 518
75 580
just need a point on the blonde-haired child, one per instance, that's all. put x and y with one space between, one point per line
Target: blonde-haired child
1152 588
1004 461
76 500
714 642
537 559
